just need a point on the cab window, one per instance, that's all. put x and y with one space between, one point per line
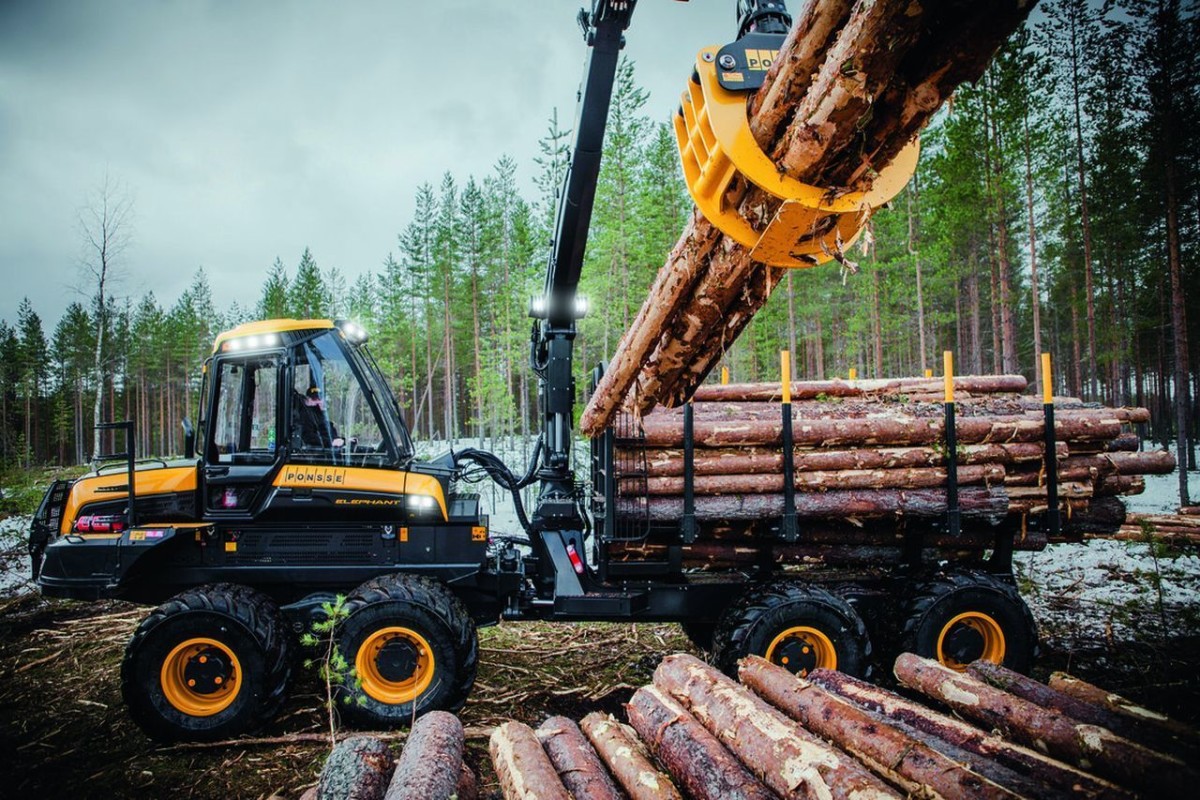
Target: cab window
332 418
245 415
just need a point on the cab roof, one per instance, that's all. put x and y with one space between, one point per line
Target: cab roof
271 326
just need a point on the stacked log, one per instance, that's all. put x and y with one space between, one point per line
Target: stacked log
697 733
1176 530
871 470
850 88
430 766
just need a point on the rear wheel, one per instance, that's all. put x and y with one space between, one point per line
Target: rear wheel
413 649
209 663
796 626
968 616
700 633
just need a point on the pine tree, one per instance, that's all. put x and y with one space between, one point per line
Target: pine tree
274 302
308 295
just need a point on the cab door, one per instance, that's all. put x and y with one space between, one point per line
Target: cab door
241 452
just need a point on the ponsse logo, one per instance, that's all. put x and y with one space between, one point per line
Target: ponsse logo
324 477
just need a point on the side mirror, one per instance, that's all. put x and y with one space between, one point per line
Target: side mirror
189 439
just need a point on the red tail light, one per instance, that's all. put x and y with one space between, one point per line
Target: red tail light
97 523
576 561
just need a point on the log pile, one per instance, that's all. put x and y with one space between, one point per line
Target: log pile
1176 530
695 732
870 471
430 766
852 85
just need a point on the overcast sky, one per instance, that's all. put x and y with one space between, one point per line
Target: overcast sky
249 130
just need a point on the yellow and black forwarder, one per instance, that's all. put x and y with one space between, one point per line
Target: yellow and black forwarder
300 482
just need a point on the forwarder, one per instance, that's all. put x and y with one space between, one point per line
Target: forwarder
300 483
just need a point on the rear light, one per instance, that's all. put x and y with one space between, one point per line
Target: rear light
96 523
576 561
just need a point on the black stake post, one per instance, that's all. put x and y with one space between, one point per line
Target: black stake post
953 515
790 530
1051 461
687 528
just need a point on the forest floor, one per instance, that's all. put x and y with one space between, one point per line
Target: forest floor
1125 615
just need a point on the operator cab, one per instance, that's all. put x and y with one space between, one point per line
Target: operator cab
296 417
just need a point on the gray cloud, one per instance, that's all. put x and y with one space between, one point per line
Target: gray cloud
247 131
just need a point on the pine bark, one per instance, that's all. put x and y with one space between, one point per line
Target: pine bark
627 759
358 768
430 766
580 769
522 766
1088 693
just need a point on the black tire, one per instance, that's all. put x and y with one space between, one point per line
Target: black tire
175 644
426 662
972 615
827 630
700 634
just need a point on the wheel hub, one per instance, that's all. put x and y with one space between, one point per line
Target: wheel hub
964 644
798 656
801 649
397 660
207 671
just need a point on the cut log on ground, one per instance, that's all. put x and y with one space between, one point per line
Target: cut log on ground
1042 695
430 766
626 758
579 768
524 769
1091 746
696 759
1090 693
889 750
359 768
1058 778
793 762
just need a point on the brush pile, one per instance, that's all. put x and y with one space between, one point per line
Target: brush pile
870 454
695 732
851 86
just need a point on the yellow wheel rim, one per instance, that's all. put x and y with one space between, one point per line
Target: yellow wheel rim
395 665
200 677
802 649
971 636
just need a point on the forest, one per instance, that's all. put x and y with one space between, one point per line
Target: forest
1056 208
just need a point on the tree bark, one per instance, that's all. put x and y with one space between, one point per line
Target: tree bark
522 766
578 766
822 481
627 759
1088 693
885 747
1059 779
790 760
359 768
695 758
430 765
1060 736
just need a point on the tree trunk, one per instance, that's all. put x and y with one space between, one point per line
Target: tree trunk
694 757
1061 737
822 481
1034 290
578 766
887 748
1136 714
627 759
522 766
790 760
430 766
359 767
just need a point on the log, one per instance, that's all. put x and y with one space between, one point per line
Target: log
1088 746
431 763
1167 520
358 768
895 429
886 387
819 481
793 762
467 787
705 274
724 557
1172 538
1123 443
1089 693
1149 462
1062 778
579 768
1083 711
1190 511
985 505
668 462
627 759
694 757
524 769
885 747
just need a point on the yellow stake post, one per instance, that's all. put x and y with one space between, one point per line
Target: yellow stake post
785 372
853 374
724 376
948 367
1047 381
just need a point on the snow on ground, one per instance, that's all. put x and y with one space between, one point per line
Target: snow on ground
14 560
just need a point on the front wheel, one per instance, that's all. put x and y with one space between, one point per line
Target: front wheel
962 617
210 663
796 626
413 648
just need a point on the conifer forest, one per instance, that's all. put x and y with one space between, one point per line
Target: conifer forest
1056 208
